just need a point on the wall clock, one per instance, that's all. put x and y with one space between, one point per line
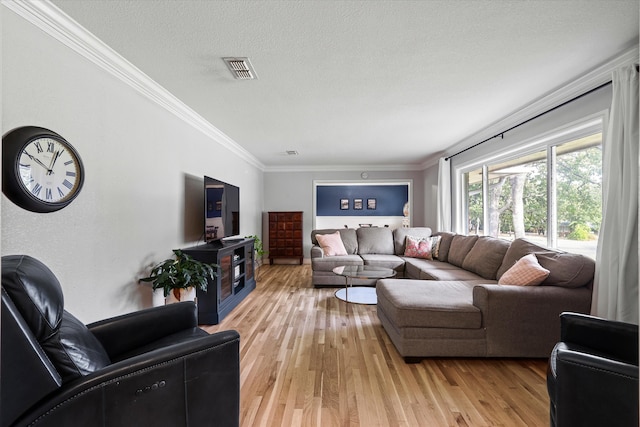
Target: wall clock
41 171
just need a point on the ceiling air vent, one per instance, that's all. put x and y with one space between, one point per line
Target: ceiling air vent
241 68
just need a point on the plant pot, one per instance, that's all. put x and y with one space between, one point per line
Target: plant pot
179 295
256 267
157 298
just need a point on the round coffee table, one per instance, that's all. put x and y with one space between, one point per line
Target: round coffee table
360 294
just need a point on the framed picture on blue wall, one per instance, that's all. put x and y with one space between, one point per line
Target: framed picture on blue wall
371 203
344 204
357 204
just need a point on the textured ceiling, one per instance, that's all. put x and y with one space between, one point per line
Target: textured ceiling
366 83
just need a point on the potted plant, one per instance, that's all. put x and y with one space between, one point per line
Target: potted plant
259 251
180 276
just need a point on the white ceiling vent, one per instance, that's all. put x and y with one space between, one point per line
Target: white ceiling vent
241 68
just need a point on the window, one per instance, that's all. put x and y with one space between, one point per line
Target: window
579 195
550 194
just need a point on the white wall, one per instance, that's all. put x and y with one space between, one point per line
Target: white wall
142 194
293 191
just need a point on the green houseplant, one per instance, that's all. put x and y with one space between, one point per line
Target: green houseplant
259 250
181 272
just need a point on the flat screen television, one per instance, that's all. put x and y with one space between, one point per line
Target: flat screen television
222 210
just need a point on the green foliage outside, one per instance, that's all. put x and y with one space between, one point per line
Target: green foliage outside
578 190
580 232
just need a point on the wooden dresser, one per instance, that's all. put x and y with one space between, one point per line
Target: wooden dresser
285 235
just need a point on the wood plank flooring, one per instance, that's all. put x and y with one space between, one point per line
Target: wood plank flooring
309 359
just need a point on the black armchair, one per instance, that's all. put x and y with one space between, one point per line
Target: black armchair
154 367
592 377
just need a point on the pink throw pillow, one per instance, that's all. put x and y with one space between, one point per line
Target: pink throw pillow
422 247
526 272
331 244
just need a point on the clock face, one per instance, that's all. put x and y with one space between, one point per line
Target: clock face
49 170
41 171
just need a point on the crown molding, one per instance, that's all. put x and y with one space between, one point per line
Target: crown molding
344 168
54 22
589 81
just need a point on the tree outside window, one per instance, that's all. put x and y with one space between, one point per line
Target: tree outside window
518 197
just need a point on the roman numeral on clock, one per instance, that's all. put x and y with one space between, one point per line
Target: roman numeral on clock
36 189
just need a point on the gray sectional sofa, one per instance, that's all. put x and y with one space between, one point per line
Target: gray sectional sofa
378 246
454 306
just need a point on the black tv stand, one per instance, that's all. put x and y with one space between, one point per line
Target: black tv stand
227 241
234 281
213 244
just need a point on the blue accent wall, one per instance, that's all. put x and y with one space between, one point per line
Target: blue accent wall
390 199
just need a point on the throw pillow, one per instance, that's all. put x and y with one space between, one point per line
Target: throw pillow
526 272
435 246
331 244
422 247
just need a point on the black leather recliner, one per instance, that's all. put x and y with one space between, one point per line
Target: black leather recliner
592 378
153 367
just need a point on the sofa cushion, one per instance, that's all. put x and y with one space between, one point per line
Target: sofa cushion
418 303
331 244
459 274
348 235
526 272
485 257
460 247
329 263
375 240
414 266
519 248
400 235
445 244
566 269
381 260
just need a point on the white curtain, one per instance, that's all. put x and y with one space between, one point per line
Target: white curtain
616 282
444 195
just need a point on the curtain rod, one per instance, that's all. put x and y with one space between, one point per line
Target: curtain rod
501 134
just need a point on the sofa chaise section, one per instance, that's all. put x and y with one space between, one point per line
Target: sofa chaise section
477 317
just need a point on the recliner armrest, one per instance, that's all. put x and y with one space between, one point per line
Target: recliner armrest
611 387
589 359
124 333
615 339
198 381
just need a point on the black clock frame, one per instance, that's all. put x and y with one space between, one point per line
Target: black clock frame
13 143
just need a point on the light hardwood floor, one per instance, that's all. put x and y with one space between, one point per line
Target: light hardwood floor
309 359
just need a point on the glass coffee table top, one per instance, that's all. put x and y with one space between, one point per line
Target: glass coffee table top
364 272
360 294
